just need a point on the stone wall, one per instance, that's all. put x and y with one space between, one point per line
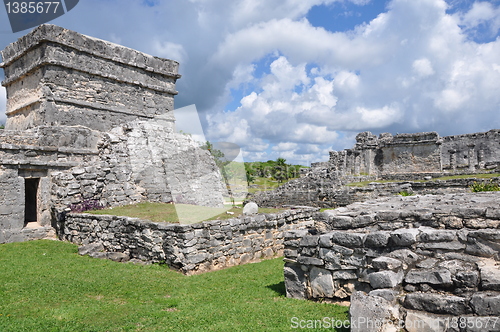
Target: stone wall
191 249
92 122
471 152
404 261
417 153
328 193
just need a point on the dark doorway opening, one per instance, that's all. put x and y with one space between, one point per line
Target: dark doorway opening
30 201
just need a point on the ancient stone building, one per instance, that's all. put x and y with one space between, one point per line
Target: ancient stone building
91 122
419 152
403 157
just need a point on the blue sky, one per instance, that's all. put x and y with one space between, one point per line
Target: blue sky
297 78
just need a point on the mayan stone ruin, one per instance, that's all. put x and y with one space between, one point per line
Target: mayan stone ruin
406 159
89 120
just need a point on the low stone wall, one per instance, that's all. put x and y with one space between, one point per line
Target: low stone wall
330 194
427 263
191 249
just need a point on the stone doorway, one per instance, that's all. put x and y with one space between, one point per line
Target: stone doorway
31 186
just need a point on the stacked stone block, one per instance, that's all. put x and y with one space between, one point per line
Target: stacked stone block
427 259
191 249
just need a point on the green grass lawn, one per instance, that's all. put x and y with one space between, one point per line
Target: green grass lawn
163 212
158 212
264 184
46 286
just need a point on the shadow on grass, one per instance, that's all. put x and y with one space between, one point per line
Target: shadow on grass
278 288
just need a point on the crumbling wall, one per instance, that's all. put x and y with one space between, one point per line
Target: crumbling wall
433 259
411 153
194 248
476 152
328 193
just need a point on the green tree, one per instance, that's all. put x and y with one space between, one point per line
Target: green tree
221 163
280 170
250 173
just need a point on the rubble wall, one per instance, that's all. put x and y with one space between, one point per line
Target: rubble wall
428 258
191 249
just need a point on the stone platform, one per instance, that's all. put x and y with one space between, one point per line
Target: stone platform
426 263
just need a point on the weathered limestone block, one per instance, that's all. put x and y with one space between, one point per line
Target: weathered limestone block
321 283
408 257
250 208
490 274
486 304
346 239
385 279
341 222
418 321
433 235
404 237
438 277
386 263
452 222
373 313
377 239
438 304
295 281
387 293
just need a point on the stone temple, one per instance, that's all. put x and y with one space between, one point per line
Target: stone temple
88 122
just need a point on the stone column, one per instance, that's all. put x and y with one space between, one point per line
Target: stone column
453 159
471 159
344 162
357 163
481 159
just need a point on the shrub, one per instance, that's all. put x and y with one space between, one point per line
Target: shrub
87 205
484 186
405 193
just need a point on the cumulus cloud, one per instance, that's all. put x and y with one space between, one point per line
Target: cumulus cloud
414 68
301 89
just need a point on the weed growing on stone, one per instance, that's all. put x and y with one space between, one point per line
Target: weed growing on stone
484 186
405 193
87 205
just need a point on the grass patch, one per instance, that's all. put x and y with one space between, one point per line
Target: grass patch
263 184
158 212
174 213
238 211
46 286
365 183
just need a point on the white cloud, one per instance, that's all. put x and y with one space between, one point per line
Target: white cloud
482 13
413 68
423 67
166 49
